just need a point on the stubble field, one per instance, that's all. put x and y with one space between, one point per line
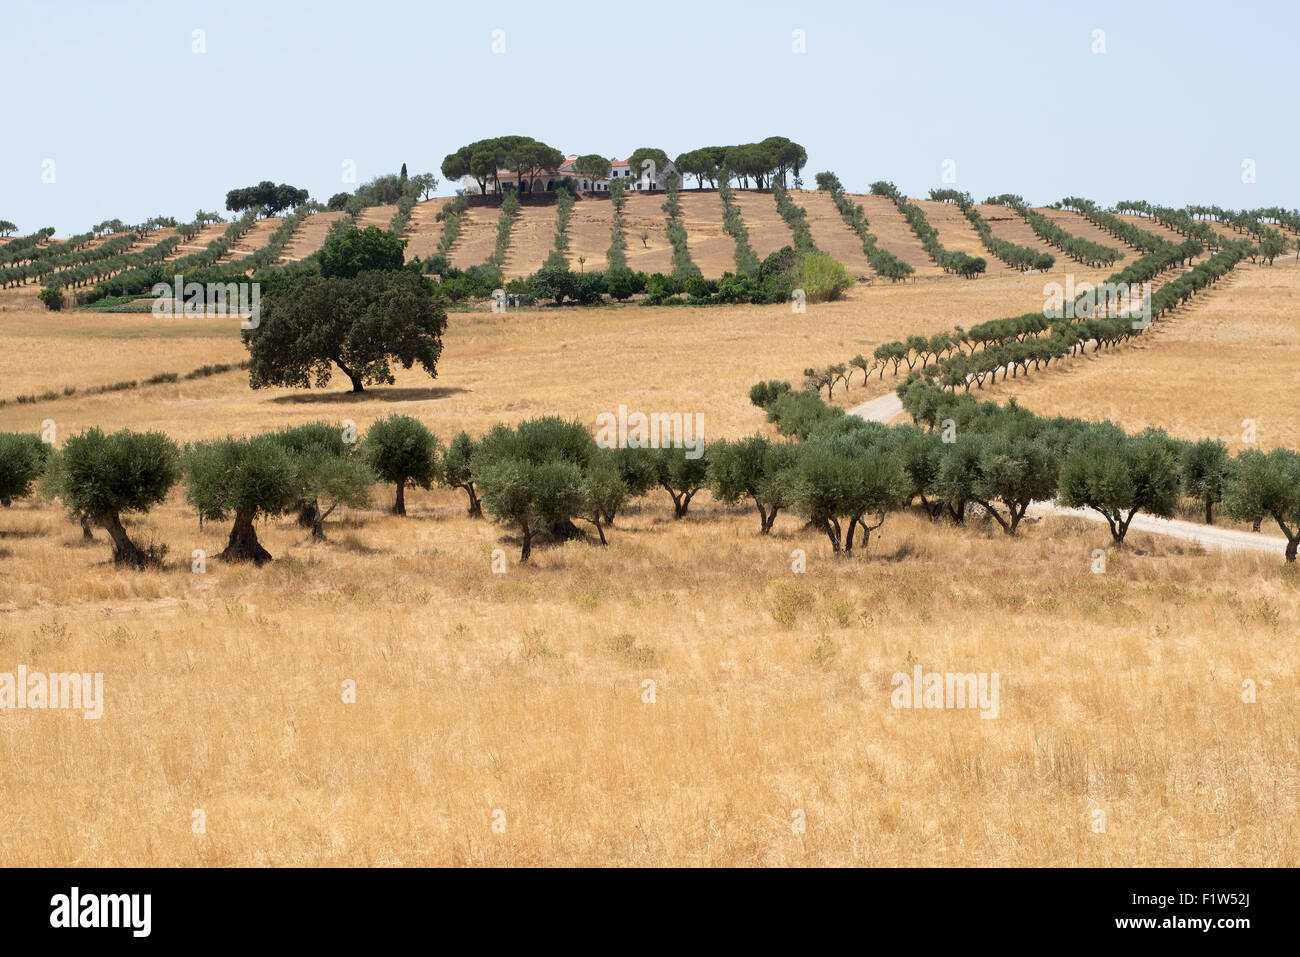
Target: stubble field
521 698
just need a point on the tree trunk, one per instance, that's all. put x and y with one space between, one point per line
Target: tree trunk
243 545
528 542
1291 547
475 506
86 534
356 379
832 529
399 505
566 530
1209 516
308 514
125 551
685 503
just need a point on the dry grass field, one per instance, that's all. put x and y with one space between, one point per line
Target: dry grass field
525 693
521 697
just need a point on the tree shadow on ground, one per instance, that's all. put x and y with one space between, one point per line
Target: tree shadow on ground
372 394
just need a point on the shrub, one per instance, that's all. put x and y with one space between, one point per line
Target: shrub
53 298
821 277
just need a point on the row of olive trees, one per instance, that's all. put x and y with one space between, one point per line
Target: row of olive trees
683 265
1011 345
1002 459
796 218
1013 254
616 255
842 474
884 262
558 257
733 223
949 260
24 247
311 470
1077 248
42 266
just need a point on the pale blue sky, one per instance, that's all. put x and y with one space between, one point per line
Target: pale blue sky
137 124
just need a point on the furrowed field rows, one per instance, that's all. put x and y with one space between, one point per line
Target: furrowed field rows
381 216
1151 226
205 235
1011 227
831 233
956 233
893 234
768 232
478 236
1079 225
711 248
648 249
252 240
531 239
310 236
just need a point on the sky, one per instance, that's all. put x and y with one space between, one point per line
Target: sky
122 110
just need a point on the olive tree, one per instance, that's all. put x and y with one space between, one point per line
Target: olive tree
602 491
247 478
105 476
401 450
329 480
317 438
1016 472
22 460
532 476
1119 476
456 470
1206 470
681 475
757 468
636 470
841 481
1267 485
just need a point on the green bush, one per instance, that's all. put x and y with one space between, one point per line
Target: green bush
821 277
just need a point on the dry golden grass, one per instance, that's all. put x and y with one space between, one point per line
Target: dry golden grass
523 692
531 240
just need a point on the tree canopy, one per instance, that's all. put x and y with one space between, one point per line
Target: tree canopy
484 159
360 324
275 199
